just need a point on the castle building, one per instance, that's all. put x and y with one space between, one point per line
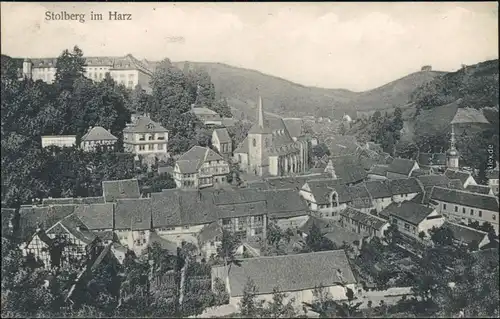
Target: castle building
126 70
270 149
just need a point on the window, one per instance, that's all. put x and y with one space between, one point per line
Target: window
480 213
160 146
142 137
444 206
186 227
254 142
142 147
463 210
150 147
494 216
456 209
471 212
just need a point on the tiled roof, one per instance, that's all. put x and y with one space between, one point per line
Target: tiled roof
339 236
237 196
359 191
408 211
75 226
379 189
98 133
203 111
465 234
405 186
242 147
380 170
44 217
290 272
96 216
144 124
348 169
420 172
433 180
362 218
322 188
428 159
222 135
294 126
285 204
465 198
166 210
480 189
453 174
455 184
192 160
209 232
135 213
126 188
71 200
401 166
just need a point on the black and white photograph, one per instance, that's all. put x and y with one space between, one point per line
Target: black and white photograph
249 159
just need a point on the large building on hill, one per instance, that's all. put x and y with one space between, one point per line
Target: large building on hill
270 149
126 70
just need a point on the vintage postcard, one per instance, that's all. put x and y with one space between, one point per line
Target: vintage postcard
244 159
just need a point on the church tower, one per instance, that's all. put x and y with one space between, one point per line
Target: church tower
259 139
452 156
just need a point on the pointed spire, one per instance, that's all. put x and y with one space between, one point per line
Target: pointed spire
452 141
260 113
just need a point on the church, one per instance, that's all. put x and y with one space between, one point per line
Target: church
277 147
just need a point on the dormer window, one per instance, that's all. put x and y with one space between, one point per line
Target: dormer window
150 126
138 219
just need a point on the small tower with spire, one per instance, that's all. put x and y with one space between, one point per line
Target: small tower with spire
259 139
452 156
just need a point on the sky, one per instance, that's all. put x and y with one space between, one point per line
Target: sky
355 46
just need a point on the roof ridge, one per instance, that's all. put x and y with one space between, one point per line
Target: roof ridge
470 228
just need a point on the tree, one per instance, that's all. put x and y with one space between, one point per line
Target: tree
69 68
442 236
277 308
222 108
324 304
422 235
227 251
250 307
316 241
320 150
391 234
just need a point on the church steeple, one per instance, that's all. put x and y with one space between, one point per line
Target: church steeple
261 127
452 156
260 113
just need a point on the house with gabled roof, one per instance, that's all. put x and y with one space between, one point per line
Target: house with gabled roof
464 206
412 218
378 172
401 168
146 138
493 178
465 178
296 275
200 167
97 136
468 236
207 116
66 241
380 193
133 223
286 209
367 225
325 197
404 189
222 141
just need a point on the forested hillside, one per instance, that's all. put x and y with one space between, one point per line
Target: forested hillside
288 99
